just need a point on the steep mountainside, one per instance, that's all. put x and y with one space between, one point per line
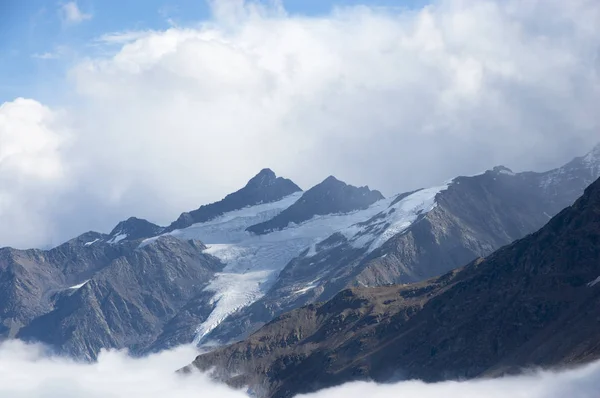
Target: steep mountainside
535 302
29 278
265 187
406 242
126 303
92 292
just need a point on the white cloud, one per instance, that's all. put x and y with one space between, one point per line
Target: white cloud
71 14
26 372
32 171
57 53
120 38
394 99
580 383
46 55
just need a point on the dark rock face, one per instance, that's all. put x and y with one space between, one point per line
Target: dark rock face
532 303
265 187
133 229
329 197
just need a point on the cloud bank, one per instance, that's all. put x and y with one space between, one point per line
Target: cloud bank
398 99
27 372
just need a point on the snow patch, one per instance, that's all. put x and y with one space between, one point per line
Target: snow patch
380 230
594 282
117 238
507 172
92 242
303 290
75 287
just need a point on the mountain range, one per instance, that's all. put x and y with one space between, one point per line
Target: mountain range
531 303
219 273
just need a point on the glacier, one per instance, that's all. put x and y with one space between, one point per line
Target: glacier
253 262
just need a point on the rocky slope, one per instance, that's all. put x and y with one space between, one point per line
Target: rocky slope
97 292
534 302
127 302
30 278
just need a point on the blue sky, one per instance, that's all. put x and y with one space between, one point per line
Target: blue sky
38 42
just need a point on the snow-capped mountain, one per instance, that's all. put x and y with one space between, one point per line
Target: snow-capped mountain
223 270
531 304
132 229
331 196
265 187
412 237
253 261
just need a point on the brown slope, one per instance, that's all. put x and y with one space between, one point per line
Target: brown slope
529 303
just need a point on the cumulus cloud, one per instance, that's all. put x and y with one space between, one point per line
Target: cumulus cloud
72 14
32 170
27 372
397 99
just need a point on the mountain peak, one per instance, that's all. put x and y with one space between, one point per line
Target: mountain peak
265 187
332 179
264 178
134 228
331 196
502 170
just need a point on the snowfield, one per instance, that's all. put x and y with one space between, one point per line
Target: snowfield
254 261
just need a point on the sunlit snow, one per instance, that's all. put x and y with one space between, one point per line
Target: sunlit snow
118 238
254 261
75 287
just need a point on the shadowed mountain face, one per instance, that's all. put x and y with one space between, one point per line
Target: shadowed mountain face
29 278
265 187
533 302
125 303
329 197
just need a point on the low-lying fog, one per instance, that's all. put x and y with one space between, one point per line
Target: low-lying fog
26 371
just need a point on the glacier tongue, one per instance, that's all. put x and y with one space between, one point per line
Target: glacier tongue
254 261
394 218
